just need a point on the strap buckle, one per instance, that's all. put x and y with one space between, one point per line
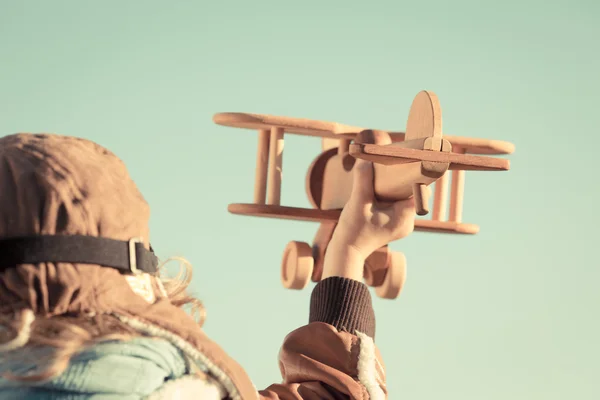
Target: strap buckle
133 255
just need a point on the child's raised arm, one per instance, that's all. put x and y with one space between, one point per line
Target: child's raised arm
334 356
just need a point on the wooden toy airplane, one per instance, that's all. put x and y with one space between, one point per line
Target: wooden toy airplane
404 165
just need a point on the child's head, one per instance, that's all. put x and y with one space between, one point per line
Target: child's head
58 185
53 184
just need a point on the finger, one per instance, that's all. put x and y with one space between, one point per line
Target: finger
405 208
362 186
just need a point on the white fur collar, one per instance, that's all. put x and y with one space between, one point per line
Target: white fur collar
188 388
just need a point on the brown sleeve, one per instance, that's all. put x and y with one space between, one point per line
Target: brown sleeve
334 356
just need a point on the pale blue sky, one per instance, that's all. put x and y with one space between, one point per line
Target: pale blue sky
511 313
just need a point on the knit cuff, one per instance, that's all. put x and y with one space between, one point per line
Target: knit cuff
344 303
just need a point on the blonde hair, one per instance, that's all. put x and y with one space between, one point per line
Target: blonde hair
68 335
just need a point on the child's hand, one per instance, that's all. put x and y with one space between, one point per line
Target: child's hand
364 226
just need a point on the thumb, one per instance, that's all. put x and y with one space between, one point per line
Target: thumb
362 186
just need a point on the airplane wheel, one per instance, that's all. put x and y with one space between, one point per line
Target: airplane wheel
374 277
376 267
297 265
394 278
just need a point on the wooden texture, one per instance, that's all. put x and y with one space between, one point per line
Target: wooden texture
296 265
275 166
424 118
394 279
440 201
472 145
337 181
328 143
457 194
394 180
334 130
344 146
376 266
314 177
262 166
392 155
404 165
315 215
299 126
421 199
424 123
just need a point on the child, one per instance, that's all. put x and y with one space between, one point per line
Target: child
84 313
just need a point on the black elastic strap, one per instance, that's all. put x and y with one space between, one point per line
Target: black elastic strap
78 249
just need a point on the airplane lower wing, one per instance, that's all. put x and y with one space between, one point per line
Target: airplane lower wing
316 215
